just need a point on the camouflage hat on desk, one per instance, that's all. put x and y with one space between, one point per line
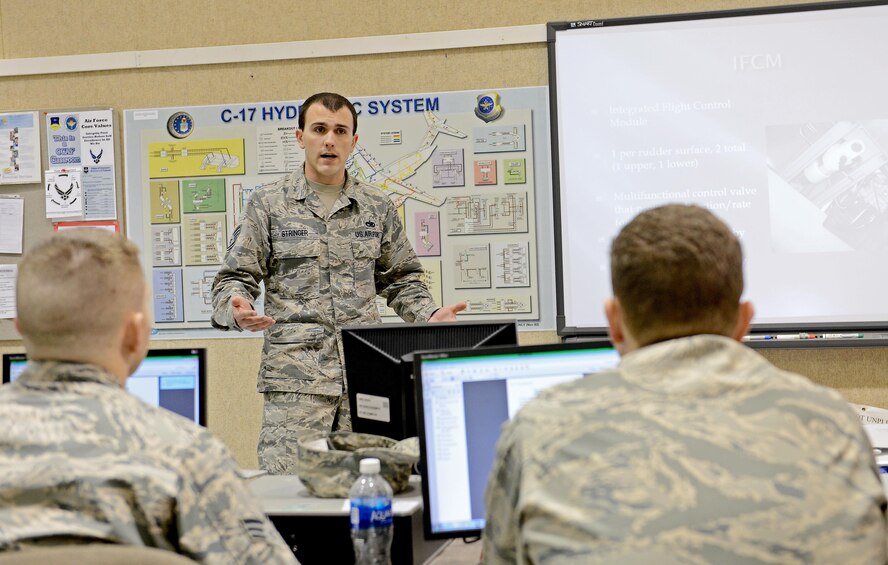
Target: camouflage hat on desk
329 462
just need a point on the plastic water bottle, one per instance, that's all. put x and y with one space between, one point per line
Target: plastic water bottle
371 516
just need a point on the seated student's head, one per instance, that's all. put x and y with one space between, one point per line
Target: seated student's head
81 296
676 271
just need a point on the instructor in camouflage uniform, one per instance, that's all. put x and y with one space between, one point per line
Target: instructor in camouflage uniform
695 449
83 461
325 245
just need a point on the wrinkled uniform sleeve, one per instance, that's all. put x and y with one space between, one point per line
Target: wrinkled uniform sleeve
245 265
219 519
399 274
501 526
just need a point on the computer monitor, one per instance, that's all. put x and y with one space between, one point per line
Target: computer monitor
463 399
379 369
174 379
13 365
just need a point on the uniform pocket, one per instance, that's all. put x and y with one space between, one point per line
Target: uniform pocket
296 269
365 252
295 333
366 248
292 352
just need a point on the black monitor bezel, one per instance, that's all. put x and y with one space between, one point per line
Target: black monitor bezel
420 356
505 328
8 359
201 353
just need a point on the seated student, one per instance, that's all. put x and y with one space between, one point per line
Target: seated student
83 461
695 449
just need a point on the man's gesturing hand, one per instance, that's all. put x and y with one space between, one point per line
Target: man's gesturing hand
247 318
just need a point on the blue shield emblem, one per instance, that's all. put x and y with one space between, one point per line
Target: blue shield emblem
488 107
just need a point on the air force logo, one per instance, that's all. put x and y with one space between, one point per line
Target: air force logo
65 195
180 125
489 108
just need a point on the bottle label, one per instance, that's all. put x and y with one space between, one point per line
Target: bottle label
370 513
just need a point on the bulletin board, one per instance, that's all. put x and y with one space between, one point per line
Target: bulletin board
108 204
468 171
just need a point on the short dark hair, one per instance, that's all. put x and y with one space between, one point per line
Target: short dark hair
330 101
677 270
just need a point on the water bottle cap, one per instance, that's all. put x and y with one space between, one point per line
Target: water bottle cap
370 466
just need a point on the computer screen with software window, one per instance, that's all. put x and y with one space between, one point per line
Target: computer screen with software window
174 379
463 399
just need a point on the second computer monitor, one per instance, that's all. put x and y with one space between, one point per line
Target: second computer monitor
174 379
379 369
464 398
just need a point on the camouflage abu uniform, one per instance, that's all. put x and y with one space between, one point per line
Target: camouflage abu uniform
692 451
320 272
84 461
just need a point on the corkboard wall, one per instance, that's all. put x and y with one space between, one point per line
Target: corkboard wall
860 374
45 28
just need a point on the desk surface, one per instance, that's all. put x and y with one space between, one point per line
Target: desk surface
285 495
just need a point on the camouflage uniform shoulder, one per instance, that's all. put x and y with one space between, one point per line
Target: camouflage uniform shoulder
757 369
364 192
158 426
819 397
183 426
177 442
277 188
571 389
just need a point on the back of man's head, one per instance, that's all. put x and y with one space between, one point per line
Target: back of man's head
677 270
76 289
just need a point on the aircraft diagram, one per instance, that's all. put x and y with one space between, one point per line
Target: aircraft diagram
425 236
166 204
202 287
391 178
219 158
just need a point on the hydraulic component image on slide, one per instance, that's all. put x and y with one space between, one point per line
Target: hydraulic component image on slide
842 169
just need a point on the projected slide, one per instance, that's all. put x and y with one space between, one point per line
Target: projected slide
774 121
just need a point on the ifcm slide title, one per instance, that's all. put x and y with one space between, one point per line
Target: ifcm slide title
382 106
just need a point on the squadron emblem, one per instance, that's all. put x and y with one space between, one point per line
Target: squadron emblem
489 108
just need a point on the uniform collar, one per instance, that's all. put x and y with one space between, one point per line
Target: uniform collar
301 190
42 373
685 362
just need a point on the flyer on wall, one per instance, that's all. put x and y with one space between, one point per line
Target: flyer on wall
19 148
85 140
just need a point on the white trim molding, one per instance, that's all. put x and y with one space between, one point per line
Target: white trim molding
371 45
